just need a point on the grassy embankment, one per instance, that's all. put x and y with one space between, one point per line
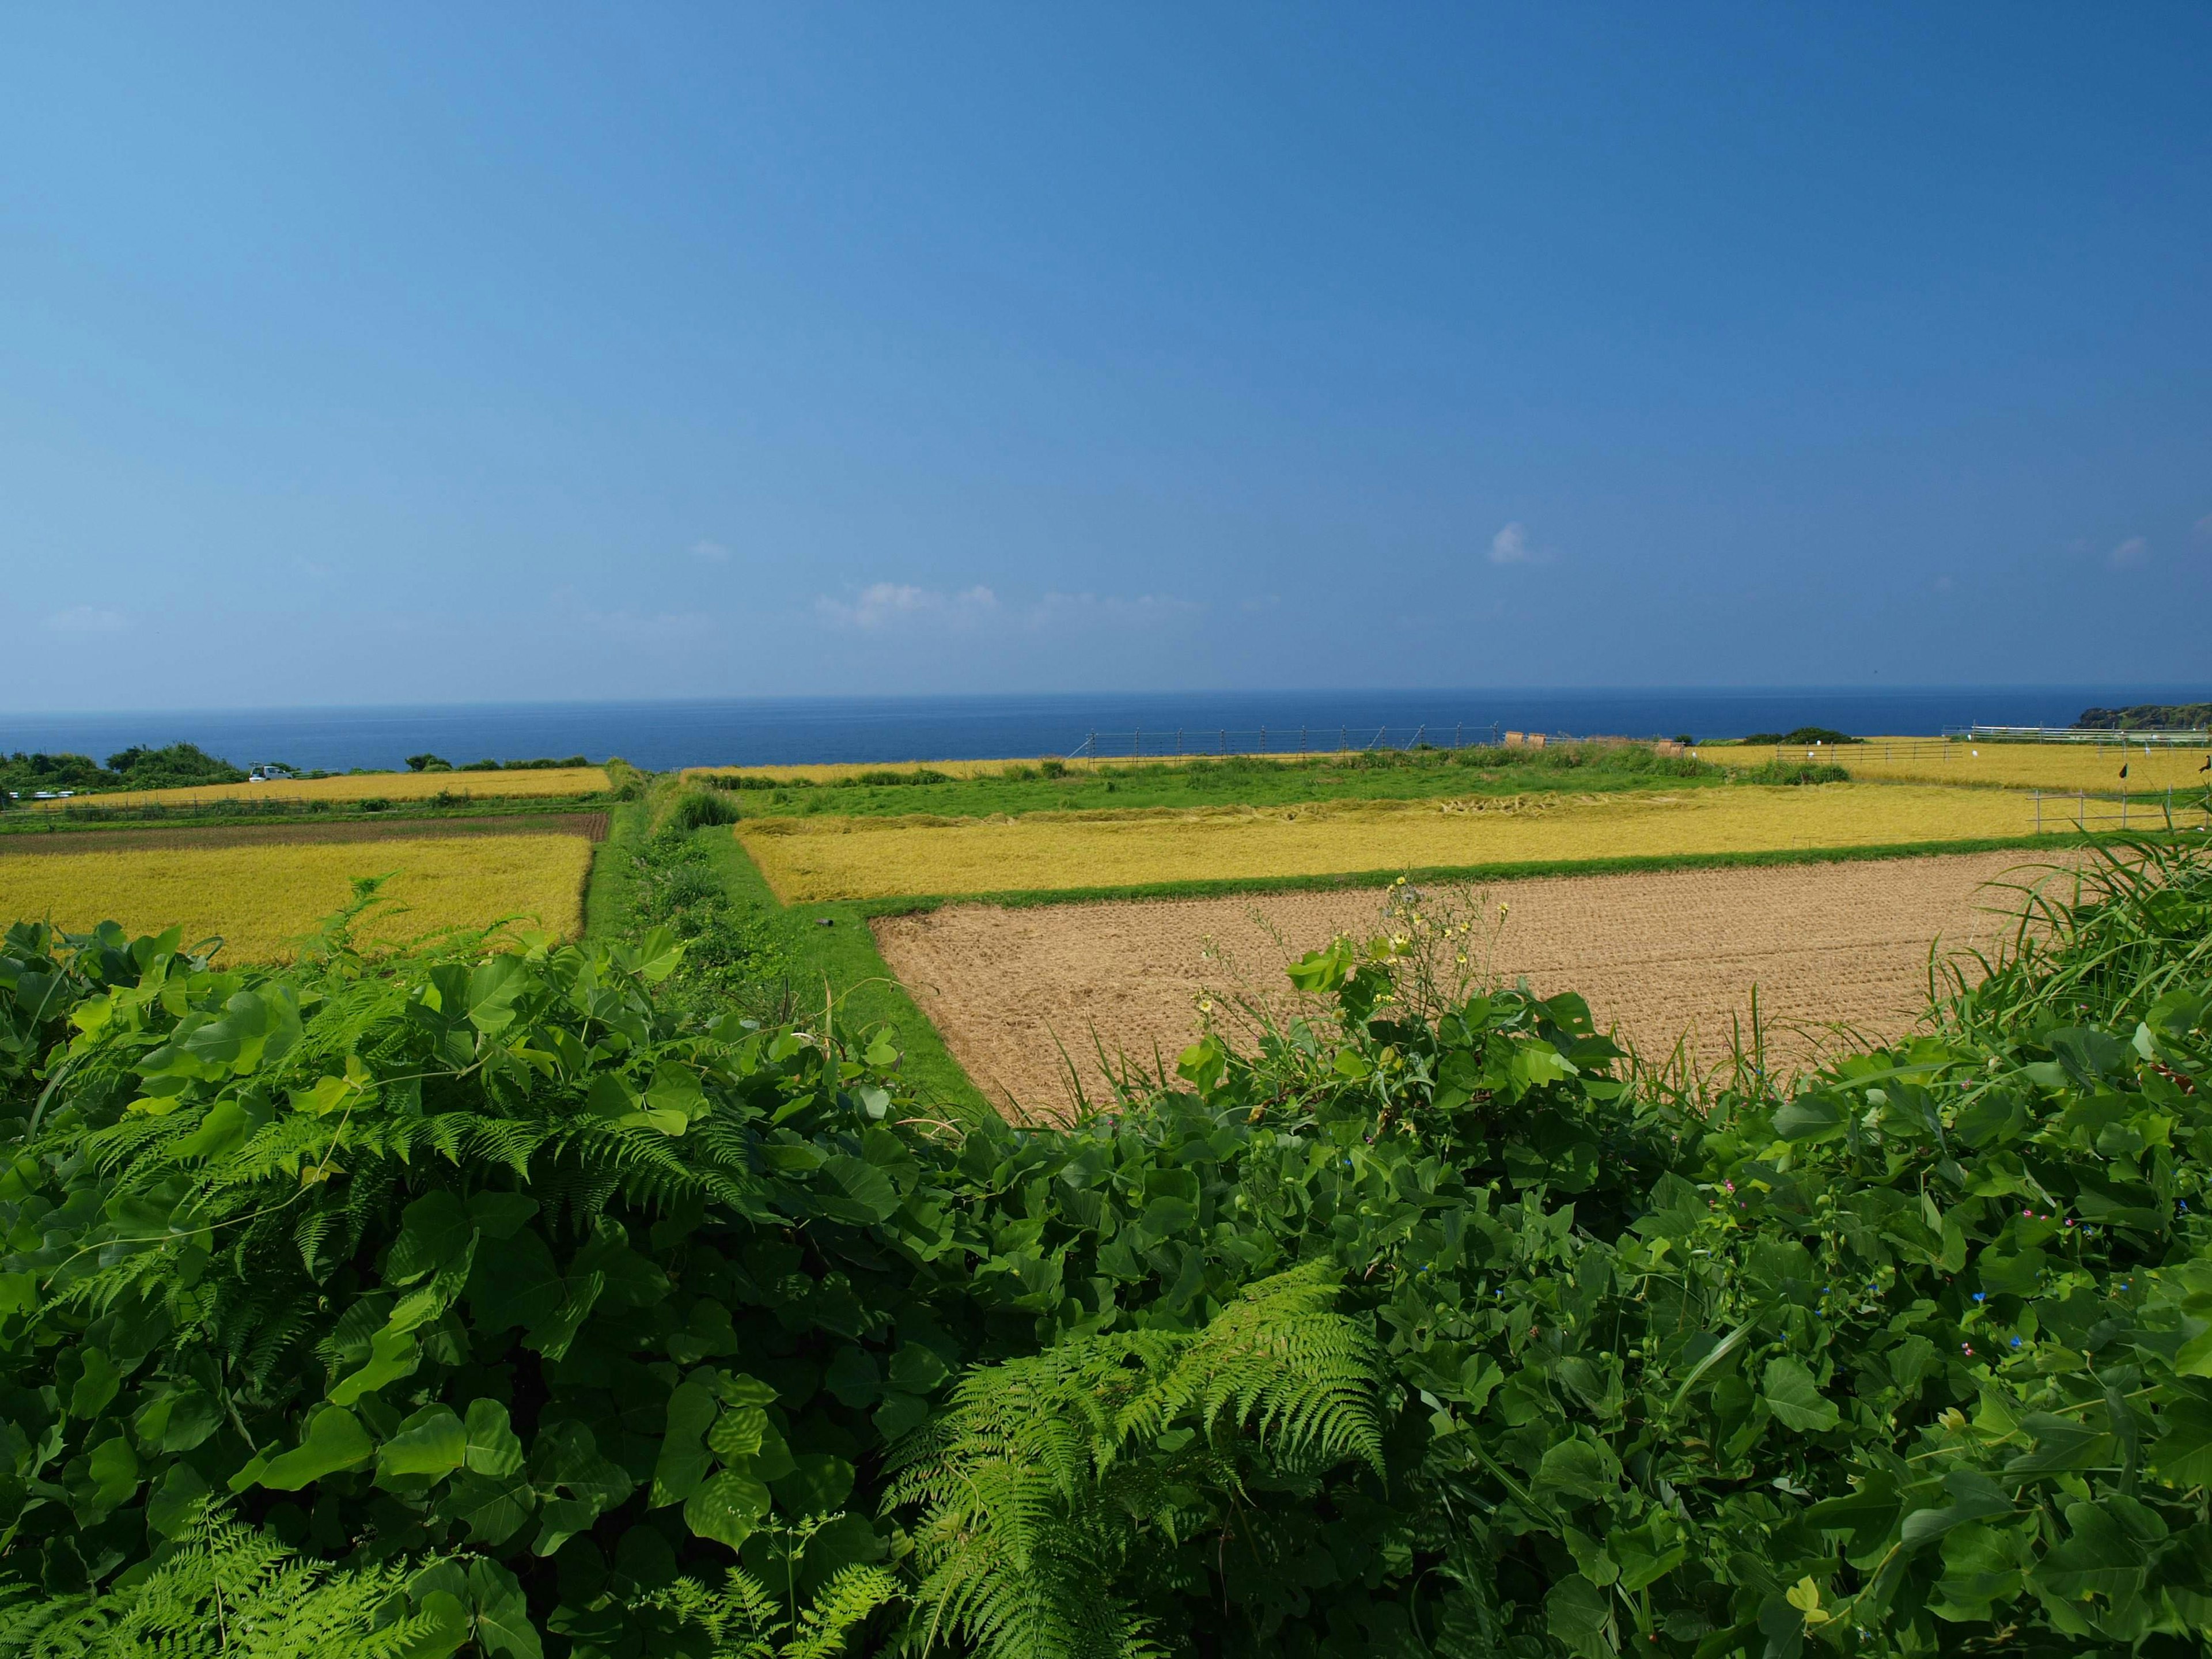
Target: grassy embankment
839 960
1017 789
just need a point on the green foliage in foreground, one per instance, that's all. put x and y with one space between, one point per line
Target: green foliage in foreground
1416 1326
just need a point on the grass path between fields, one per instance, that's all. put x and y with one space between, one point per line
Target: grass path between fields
843 955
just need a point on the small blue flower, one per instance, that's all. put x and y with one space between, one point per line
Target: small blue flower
2016 1342
1978 1296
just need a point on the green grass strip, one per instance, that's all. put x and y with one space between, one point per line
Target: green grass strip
1230 886
840 959
844 956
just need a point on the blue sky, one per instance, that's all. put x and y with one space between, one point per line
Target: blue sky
414 353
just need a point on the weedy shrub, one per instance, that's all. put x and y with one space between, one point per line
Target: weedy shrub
1793 772
1424 1323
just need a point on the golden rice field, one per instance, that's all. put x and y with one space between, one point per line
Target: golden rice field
368 785
2056 766
812 859
262 897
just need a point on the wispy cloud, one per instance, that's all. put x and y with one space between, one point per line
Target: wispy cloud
886 606
86 619
2132 552
708 552
1512 545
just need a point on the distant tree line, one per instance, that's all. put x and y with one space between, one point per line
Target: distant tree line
439 763
2149 717
135 767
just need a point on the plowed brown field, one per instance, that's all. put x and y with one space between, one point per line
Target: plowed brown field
1661 956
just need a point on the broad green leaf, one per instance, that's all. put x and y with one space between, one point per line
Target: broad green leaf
683 1460
727 1508
1974 1497
2183 1456
492 1507
392 1355
503 1615
1580 1616
1810 1117
1579 1468
492 1447
434 1230
334 1441
2100 1559
1795 1399
430 1443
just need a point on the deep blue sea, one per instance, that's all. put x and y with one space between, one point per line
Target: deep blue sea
786 730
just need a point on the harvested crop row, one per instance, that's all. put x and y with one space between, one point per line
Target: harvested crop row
814 859
1662 954
2050 766
365 786
263 898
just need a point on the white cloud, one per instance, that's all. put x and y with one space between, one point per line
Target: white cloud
708 552
86 619
884 606
1510 546
2132 552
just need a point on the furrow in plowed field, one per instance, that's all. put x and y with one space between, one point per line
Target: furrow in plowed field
1660 955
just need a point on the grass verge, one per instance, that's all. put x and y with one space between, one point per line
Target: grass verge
842 957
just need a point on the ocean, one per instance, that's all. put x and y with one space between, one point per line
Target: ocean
773 731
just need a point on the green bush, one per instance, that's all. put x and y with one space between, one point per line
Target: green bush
1423 1323
1793 772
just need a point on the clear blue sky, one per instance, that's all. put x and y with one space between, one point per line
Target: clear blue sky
417 353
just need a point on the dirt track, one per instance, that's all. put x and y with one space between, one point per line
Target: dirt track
1662 954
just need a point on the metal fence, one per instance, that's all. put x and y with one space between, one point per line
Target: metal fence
1197 742
1192 742
2088 734
2191 814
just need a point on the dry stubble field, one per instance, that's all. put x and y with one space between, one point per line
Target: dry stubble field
806 859
2049 766
260 898
1662 954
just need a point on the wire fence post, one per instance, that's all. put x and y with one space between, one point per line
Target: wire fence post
1302 743
1263 739
2081 810
1178 742
1225 739
2169 809
2039 812
1137 744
